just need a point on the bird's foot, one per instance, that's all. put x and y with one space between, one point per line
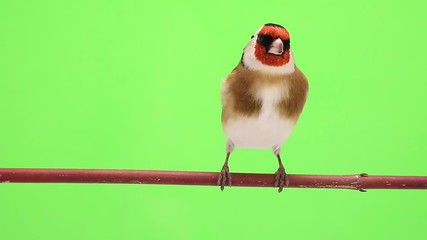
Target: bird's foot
224 176
282 179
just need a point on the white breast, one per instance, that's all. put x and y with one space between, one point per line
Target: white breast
268 130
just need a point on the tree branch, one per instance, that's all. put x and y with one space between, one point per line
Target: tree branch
355 182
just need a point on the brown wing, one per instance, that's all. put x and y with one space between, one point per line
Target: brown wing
293 104
238 95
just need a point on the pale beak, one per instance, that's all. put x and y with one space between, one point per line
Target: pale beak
276 47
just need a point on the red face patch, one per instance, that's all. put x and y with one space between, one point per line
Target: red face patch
275 32
261 51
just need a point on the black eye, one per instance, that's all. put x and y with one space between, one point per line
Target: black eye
252 36
286 44
264 40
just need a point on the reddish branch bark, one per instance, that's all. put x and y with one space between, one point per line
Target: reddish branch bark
355 182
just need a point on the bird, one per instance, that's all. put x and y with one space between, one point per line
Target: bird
262 99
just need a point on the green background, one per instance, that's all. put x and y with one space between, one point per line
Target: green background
135 85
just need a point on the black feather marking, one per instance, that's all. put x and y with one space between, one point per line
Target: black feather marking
286 44
264 40
274 25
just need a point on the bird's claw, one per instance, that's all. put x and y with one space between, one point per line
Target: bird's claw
224 176
282 179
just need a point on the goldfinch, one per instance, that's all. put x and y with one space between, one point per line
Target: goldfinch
262 98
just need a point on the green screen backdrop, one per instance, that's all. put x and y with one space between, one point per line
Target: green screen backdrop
135 85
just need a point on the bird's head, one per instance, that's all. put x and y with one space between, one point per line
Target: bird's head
269 51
